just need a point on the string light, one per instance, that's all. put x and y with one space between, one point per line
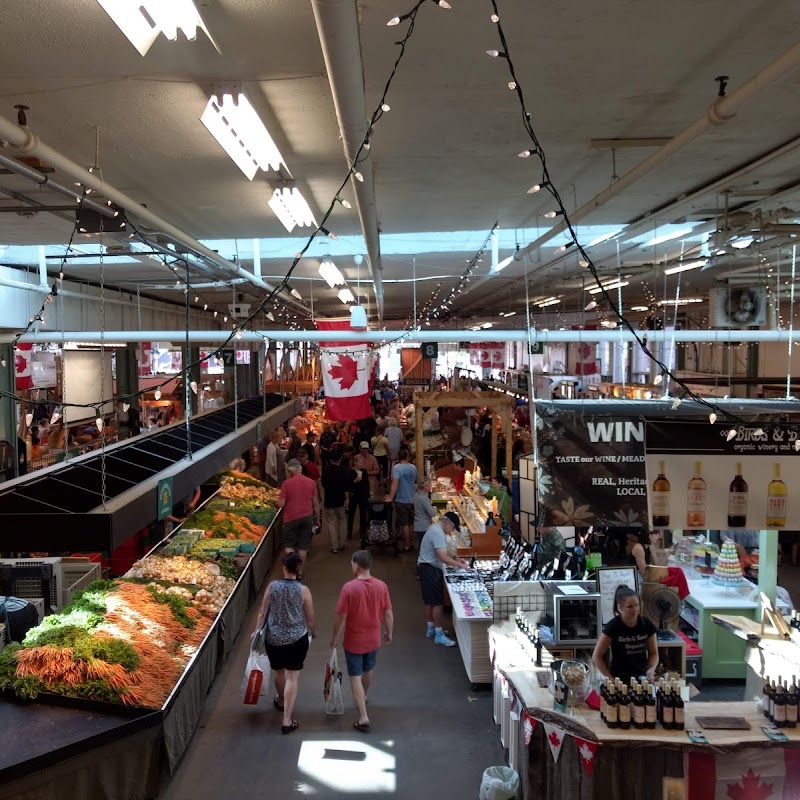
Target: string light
675 403
345 203
712 417
732 435
525 154
126 407
55 418
99 423
28 420
385 107
157 394
193 386
358 176
657 380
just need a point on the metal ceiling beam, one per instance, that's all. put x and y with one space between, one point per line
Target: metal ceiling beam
382 337
27 143
338 29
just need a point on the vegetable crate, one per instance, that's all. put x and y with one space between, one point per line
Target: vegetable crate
77 575
29 588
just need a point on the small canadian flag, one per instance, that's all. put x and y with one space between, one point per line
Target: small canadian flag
22 367
754 774
586 751
555 738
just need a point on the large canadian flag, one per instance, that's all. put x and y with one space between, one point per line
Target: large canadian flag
346 375
755 774
22 367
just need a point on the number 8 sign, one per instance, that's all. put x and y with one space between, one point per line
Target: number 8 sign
430 350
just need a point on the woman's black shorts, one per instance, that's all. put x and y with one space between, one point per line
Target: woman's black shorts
288 656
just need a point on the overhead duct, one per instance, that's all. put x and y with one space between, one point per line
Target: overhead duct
337 26
27 143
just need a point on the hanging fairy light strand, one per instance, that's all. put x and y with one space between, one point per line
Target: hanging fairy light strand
536 151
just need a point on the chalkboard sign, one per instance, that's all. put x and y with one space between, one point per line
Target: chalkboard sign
608 579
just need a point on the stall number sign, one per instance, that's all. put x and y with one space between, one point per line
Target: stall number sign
430 350
164 498
229 358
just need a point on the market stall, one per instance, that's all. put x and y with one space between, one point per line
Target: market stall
576 756
152 641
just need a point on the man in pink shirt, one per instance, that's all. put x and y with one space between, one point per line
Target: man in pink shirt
362 610
300 503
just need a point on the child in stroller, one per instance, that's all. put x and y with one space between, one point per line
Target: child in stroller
379 524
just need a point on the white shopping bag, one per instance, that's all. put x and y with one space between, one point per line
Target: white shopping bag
256 678
332 687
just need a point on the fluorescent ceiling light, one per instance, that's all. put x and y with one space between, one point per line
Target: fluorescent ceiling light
550 301
291 208
668 237
684 301
742 242
608 287
233 122
330 272
507 313
142 20
346 296
686 266
604 238
486 325
640 308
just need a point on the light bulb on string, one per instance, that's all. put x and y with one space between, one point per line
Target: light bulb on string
393 21
238 333
444 4
157 394
657 380
215 314
225 318
797 444
346 203
55 418
196 298
193 386
270 316
205 306
712 417
591 305
525 154
552 214
28 420
759 432
126 407
537 187
494 18
358 176
99 423
732 435
512 85
675 403
583 263
2 362
385 107
496 54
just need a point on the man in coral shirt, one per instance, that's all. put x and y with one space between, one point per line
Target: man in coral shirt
300 503
362 610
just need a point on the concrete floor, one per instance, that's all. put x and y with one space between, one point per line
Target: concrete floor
431 736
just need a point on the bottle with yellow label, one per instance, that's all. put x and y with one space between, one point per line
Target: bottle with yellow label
777 498
696 499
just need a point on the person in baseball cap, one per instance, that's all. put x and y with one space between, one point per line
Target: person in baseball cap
433 558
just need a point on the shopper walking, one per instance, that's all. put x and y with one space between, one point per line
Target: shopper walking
288 610
370 464
424 510
394 437
334 484
432 559
362 611
300 504
308 467
380 450
326 443
357 497
404 481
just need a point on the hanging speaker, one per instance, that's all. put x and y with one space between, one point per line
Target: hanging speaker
91 221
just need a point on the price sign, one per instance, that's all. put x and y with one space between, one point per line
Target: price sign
430 350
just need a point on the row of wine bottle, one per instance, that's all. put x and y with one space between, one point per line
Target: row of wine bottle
777 497
638 706
781 702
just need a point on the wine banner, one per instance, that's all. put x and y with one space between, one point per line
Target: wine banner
699 476
591 470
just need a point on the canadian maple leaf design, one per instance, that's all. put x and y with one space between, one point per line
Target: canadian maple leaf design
20 363
751 788
346 371
555 739
586 753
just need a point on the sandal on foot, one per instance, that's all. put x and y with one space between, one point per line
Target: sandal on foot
361 726
289 728
277 703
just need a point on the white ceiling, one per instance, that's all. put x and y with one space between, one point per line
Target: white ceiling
445 156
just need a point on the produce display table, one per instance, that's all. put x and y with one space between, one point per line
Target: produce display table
723 654
596 762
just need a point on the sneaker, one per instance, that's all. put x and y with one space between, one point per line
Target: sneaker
444 640
430 633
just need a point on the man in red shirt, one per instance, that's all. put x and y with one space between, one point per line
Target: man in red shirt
300 503
310 469
362 609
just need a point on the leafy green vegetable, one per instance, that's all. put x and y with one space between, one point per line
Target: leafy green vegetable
92 598
177 605
84 645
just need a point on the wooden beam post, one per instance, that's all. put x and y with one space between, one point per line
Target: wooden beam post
418 444
495 411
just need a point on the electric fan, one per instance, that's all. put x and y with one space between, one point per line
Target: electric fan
665 606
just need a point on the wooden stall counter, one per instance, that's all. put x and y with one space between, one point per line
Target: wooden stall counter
578 757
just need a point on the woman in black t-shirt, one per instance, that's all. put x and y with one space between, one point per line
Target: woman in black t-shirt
631 639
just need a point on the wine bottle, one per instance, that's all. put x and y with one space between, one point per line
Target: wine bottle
779 715
679 716
649 708
612 708
660 499
639 721
792 705
765 696
659 700
776 499
696 499
667 710
737 500
624 710
603 695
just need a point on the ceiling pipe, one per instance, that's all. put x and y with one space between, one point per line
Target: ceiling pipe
722 110
338 30
27 143
382 337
